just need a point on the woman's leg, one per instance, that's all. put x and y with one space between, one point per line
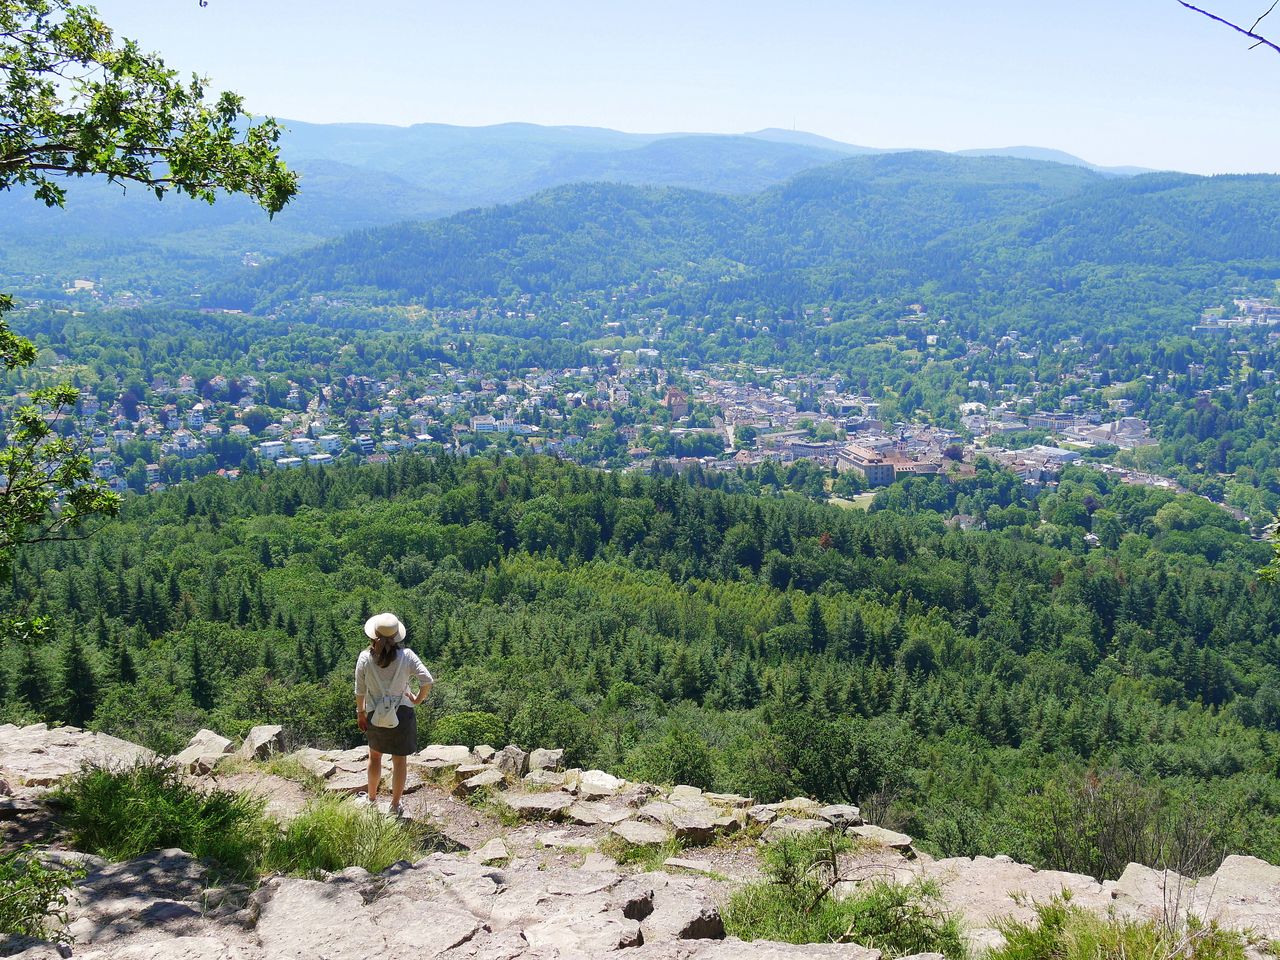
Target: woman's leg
375 773
399 770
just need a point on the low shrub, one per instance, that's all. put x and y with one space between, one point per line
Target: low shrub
120 813
470 729
33 895
1064 931
796 903
331 834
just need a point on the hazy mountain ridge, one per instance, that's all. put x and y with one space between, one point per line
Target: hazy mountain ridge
910 218
364 175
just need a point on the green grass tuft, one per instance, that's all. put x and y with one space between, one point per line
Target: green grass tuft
647 857
1064 931
332 834
123 813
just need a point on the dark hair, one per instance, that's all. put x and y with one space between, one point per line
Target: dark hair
384 650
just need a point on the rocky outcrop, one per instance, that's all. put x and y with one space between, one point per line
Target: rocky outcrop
203 752
40 756
262 742
531 879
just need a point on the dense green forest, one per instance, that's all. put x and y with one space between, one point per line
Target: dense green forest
953 682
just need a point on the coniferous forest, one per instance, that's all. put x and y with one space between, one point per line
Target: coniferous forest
976 687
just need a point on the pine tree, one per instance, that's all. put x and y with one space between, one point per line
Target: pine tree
817 626
201 689
32 688
79 687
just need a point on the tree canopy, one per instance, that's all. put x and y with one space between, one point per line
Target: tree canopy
76 101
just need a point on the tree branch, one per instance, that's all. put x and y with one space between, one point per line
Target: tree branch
1261 41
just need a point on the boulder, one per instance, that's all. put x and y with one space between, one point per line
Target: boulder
793 827
512 761
640 834
797 807
681 909
494 853
596 784
684 863
841 815
727 825
315 762
344 782
203 750
542 759
484 753
538 806
37 756
489 778
262 741
695 828
590 937
468 770
659 811
683 791
453 756
586 813
762 815
732 800
544 778
882 837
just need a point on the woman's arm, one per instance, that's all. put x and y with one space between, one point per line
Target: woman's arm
425 680
362 718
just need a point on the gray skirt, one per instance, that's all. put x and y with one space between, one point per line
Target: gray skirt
400 740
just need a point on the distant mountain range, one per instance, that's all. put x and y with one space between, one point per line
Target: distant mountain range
1019 241
363 175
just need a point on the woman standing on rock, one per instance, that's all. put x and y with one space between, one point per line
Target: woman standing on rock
385 702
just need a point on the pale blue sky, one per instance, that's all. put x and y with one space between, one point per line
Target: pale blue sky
1140 82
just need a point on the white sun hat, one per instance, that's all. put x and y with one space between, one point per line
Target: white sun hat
384 625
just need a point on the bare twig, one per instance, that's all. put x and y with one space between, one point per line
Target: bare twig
1261 41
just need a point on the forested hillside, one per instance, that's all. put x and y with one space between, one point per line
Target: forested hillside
998 241
963 684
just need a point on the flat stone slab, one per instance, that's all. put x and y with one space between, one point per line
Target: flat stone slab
793 827
596 784
542 759
545 778
587 813
495 851
796 807
640 834
485 779
39 756
694 866
538 806
882 837
732 800
347 783
695 828
315 762
437 753
762 814
841 815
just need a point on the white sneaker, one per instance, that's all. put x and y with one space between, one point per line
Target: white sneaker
362 799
